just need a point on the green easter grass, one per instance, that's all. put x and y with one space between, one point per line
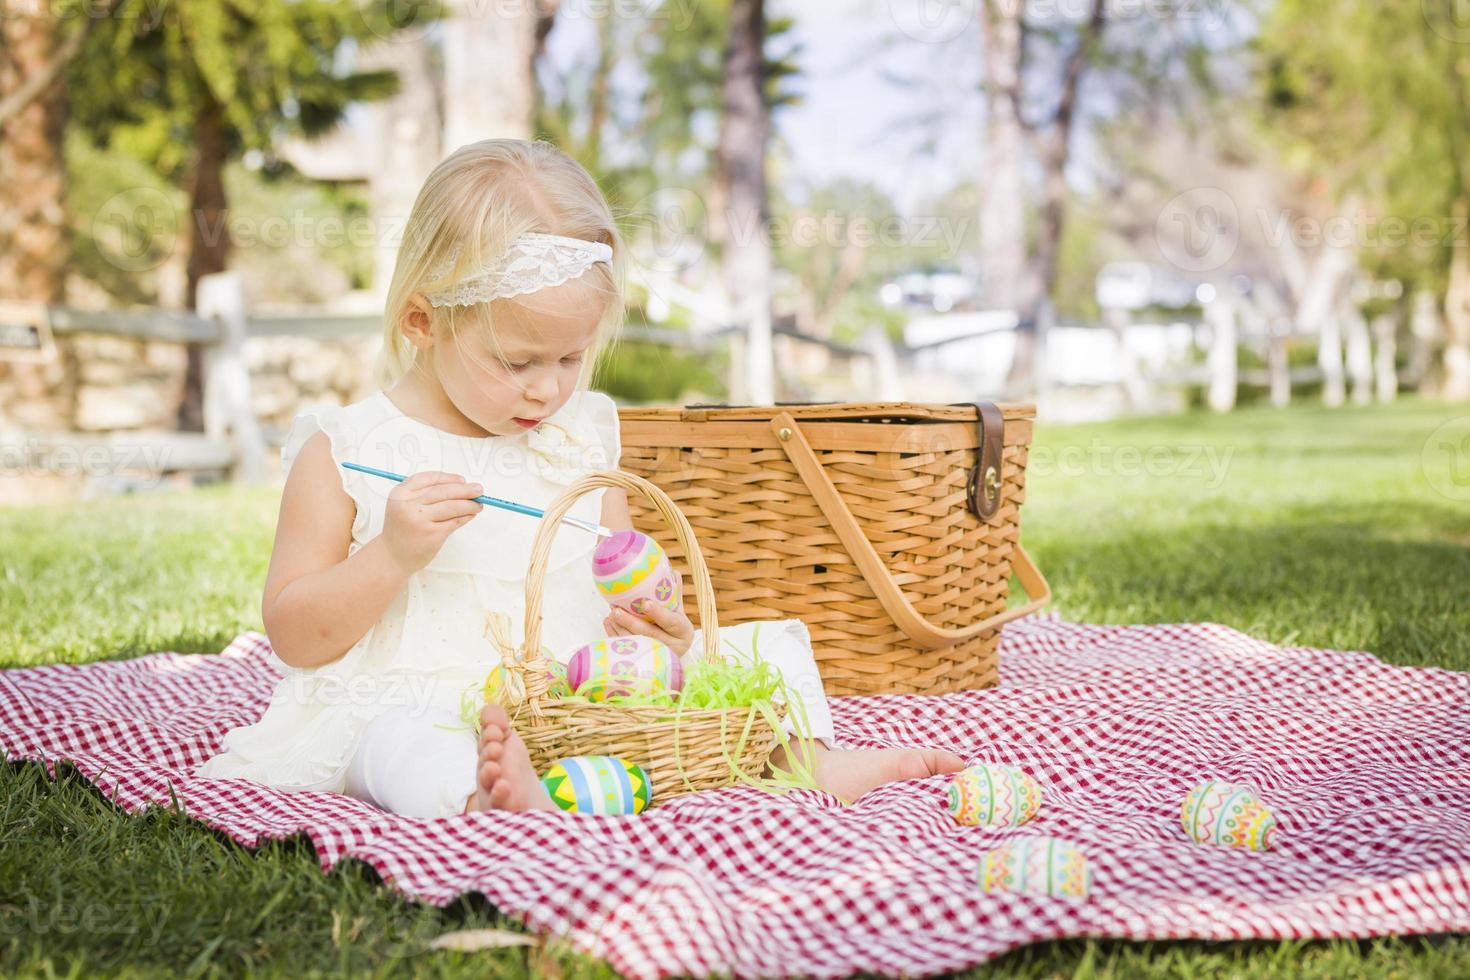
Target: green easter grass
1340 528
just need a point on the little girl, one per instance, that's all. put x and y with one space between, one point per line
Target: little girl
508 285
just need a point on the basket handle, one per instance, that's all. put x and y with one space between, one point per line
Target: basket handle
704 591
890 596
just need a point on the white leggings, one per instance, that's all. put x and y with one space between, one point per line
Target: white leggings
405 764
421 762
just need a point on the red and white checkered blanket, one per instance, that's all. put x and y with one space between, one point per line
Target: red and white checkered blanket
1367 767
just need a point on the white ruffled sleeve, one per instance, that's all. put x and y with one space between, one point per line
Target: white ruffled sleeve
604 413
333 421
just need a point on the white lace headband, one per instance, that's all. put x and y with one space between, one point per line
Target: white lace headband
533 261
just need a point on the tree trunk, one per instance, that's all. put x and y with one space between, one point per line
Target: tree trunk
1051 142
1318 293
209 242
1359 352
489 82
409 125
599 94
1385 349
740 170
33 250
1223 359
1003 195
1457 315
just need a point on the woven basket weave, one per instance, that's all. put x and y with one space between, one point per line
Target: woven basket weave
890 529
692 750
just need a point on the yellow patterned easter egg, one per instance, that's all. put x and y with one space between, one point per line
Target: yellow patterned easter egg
987 794
1037 866
1229 815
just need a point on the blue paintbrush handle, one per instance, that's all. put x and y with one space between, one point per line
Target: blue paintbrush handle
491 501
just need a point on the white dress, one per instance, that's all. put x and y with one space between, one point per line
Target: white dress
430 651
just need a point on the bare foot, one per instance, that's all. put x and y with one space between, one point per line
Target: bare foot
504 776
848 774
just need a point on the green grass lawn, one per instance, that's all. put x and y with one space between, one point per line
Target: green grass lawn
1327 528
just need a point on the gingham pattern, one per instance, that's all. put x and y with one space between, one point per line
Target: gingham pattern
1367 767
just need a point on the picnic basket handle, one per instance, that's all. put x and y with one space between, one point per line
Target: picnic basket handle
890 596
704 591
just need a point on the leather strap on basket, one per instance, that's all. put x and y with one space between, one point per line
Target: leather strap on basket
924 633
984 485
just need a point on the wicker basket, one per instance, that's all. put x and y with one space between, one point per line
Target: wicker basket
684 753
890 529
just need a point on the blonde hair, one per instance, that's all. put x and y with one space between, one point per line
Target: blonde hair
475 203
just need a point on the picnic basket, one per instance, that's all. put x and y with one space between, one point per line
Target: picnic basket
891 529
695 749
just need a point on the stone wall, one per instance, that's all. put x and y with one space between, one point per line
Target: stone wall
110 384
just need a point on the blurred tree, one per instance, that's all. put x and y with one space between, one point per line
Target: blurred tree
32 171
490 51
1375 101
742 203
200 82
1013 127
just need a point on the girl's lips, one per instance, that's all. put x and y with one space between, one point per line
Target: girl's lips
527 423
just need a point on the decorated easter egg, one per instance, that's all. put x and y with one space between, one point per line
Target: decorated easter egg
632 572
504 687
993 794
601 784
1037 866
621 665
557 674
1229 815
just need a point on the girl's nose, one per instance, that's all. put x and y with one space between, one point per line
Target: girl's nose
542 388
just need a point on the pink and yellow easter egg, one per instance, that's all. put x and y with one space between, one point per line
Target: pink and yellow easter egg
622 665
600 784
632 572
1229 815
1037 866
989 795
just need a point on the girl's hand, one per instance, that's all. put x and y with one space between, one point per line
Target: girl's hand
421 513
671 628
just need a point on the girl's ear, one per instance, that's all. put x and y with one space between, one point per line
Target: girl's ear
416 322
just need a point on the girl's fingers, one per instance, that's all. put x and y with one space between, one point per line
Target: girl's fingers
450 491
449 510
639 625
673 623
426 479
